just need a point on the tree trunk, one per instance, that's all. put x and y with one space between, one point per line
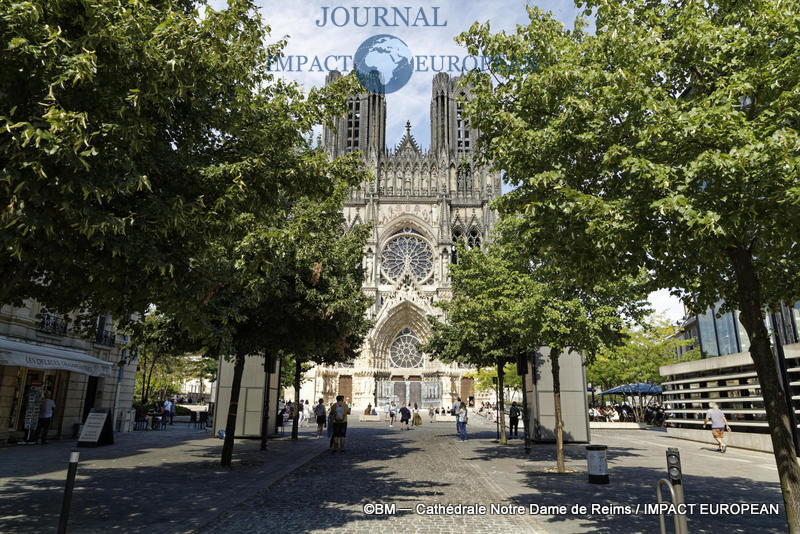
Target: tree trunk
560 464
146 385
233 407
775 400
501 413
296 410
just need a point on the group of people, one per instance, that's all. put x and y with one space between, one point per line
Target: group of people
407 415
612 413
288 410
157 413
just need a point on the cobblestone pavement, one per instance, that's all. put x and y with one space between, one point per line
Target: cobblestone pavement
147 482
382 465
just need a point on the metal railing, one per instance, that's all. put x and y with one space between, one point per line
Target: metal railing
53 324
105 337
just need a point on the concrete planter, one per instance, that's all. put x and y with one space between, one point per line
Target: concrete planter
597 425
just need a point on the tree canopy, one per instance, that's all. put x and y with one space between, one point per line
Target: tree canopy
665 140
134 136
645 350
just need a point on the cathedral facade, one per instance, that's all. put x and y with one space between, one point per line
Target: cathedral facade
419 205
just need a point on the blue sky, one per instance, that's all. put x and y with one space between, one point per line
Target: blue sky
298 21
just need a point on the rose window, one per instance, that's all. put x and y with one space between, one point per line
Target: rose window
404 352
407 252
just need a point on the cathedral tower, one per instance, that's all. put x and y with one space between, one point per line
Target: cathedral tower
364 126
419 205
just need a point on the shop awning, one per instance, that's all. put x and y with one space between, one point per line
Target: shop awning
44 356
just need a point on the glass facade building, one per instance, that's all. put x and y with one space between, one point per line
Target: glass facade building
726 374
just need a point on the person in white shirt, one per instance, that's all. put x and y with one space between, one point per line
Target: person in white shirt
301 414
168 410
45 417
456 408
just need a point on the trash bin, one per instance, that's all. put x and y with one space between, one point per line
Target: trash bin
597 464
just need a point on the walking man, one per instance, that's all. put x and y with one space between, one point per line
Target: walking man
456 408
301 413
319 413
339 413
45 417
513 418
462 419
405 416
167 410
719 424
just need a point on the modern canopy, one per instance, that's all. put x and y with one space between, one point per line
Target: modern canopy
633 389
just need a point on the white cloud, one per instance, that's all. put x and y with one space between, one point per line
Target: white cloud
665 304
412 102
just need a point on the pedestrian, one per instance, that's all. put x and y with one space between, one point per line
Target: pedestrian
167 409
405 416
416 417
456 408
319 413
330 424
513 418
431 412
45 418
301 414
339 413
462 419
719 424
392 414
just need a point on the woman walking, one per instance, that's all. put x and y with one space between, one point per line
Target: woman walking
392 414
416 418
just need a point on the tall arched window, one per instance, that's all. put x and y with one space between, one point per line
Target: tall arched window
474 239
458 235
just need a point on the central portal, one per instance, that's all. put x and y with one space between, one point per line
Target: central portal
398 390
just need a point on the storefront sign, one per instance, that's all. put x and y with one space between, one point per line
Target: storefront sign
96 430
42 356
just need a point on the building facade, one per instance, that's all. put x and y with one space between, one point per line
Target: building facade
419 205
725 374
39 355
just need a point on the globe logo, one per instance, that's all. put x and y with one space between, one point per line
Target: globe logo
383 64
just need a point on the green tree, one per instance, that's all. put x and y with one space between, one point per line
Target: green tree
667 140
488 317
485 380
287 284
638 360
127 133
159 345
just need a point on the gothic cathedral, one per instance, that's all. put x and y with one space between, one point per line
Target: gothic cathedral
420 204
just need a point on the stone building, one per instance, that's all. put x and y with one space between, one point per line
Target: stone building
39 353
419 205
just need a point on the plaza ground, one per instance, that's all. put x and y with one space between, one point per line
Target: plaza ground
170 481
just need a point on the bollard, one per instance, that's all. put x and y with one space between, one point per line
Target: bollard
598 464
675 476
67 500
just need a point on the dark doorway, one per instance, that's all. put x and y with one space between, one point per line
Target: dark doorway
415 393
91 395
346 387
400 392
468 391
